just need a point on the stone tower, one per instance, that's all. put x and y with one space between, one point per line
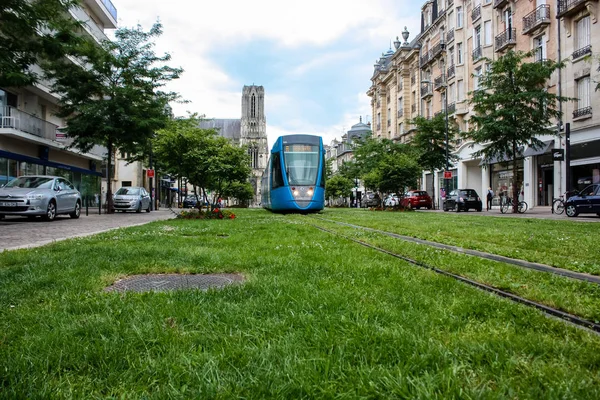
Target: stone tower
253 133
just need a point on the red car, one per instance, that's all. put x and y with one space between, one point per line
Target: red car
416 199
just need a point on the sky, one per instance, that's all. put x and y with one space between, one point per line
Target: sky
314 58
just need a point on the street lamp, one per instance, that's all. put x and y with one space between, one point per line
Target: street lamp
446 170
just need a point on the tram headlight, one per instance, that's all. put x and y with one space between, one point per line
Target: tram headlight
296 193
310 191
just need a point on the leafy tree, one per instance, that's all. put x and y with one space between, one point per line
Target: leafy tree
338 186
243 191
430 142
112 97
32 31
227 166
398 171
512 107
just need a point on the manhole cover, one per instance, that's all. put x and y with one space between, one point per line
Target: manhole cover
164 282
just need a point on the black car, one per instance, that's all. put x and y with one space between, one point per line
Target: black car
191 201
587 201
463 200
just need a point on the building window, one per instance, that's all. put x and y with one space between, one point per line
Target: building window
477 37
487 33
460 90
583 93
451 55
459 53
539 45
253 106
452 93
401 128
126 183
450 20
476 76
459 17
583 33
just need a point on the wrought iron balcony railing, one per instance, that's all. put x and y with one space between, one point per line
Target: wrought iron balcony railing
582 112
537 18
426 90
451 108
451 71
477 53
438 49
506 39
450 35
568 6
582 52
439 82
500 3
476 13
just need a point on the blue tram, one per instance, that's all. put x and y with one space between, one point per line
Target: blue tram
294 180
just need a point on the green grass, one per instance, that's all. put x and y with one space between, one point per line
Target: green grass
318 317
565 244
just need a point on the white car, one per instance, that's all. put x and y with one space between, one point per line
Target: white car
392 200
39 195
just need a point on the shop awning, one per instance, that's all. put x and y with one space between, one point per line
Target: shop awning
543 149
502 159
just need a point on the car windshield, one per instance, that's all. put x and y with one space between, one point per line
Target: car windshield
33 182
128 191
468 193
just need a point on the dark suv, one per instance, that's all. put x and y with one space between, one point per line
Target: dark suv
463 200
372 200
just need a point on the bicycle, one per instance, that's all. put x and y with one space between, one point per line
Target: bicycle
508 204
558 204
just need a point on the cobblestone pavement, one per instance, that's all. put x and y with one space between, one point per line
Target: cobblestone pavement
19 232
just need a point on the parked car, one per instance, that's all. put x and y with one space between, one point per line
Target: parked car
131 198
392 200
585 202
416 199
463 200
191 201
372 200
40 195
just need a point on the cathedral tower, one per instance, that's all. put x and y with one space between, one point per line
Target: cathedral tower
253 133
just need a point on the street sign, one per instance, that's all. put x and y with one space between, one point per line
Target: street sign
150 173
447 174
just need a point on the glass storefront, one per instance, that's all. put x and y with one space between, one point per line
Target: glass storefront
502 178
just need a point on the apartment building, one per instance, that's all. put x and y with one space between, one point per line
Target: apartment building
31 141
456 36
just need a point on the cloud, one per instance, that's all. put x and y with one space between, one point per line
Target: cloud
314 58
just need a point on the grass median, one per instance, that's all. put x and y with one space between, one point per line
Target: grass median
318 316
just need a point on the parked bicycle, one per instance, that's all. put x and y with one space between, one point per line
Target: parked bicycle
508 204
558 204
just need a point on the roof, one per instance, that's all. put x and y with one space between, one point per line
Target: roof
227 128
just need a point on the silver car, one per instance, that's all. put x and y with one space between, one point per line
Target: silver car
33 195
131 198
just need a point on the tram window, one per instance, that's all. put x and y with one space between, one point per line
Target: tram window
322 183
277 175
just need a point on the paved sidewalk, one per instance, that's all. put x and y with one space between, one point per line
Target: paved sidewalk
19 232
540 212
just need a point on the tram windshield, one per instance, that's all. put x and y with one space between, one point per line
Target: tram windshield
301 163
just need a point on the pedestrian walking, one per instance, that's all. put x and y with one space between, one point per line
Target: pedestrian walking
490 197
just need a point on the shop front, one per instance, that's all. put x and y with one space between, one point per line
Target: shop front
502 179
585 164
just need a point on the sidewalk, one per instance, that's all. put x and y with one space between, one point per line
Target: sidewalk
540 212
19 232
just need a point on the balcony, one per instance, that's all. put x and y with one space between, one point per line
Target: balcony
450 4
450 36
104 10
451 71
582 113
476 13
506 39
582 52
538 18
426 90
451 108
568 7
17 120
500 3
437 49
89 25
439 82
424 59
477 53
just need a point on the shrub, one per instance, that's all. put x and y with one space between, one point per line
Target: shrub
217 213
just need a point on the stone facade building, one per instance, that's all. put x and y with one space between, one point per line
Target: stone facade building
455 39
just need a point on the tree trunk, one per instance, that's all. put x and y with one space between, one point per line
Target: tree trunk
109 199
515 189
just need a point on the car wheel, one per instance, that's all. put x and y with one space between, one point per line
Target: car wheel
148 209
479 209
429 207
139 209
50 211
571 210
1 216
76 212
456 208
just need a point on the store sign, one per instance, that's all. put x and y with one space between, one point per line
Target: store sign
558 154
447 174
150 173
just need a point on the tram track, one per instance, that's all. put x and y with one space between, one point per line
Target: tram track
572 319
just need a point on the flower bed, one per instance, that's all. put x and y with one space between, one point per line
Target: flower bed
217 213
